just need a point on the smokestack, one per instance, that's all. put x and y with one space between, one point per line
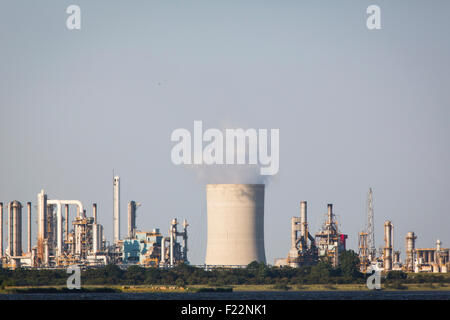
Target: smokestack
303 220
116 206
94 212
131 219
330 213
1 229
29 226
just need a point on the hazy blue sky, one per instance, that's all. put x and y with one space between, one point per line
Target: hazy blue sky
355 108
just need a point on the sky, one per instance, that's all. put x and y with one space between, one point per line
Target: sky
355 108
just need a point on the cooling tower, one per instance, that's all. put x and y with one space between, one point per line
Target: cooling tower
235 224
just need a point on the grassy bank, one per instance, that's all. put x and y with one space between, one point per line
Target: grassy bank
234 288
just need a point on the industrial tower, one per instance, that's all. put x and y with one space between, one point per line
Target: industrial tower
370 225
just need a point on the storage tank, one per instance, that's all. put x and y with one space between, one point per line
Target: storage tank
235 224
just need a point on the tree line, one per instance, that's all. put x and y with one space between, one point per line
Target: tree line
183 275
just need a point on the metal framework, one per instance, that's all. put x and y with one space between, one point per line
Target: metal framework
370 225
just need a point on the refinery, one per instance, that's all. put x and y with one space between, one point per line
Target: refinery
235 237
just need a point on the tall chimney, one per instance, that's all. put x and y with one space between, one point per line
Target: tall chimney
131 219
94 212
330 213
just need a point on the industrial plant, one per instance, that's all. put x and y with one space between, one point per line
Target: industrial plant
235 236
416 260
309 250
60 244
329 242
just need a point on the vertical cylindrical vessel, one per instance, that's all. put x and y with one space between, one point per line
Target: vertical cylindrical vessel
235 224
16 228
116 203
388 233
10 230
410 250
303 220
29 226
66 214
42 223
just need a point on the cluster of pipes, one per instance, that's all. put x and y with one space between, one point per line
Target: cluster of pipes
416 260
174 254
299 238
86 230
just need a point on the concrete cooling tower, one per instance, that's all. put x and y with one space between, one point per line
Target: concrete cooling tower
235 224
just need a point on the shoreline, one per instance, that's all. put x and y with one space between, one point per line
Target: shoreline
202 288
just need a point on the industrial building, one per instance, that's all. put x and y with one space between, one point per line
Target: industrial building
235 224
416 260
85 244
308 250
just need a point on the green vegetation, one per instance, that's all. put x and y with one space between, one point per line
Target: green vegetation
256 275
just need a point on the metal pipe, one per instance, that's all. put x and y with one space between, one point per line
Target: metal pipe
29 226
59 227
171 246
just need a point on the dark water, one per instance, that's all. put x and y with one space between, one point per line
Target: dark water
308 295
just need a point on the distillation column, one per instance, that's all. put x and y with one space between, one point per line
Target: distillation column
116 207
15 228
388 247
410 251
29 226
42 223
